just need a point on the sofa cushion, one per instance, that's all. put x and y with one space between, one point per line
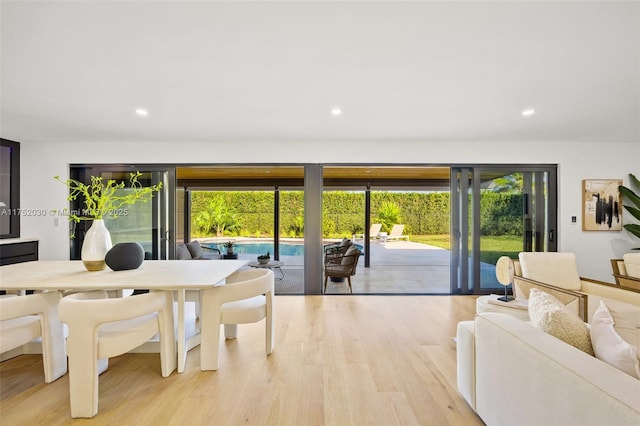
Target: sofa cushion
632 264
195 249
182 253
350 251
551 316
610 347
626 323
345 242
558 269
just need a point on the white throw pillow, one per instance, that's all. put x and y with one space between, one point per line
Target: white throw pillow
551 316
609 346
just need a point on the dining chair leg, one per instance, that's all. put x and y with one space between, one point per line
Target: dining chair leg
209 347
168 349
231 331
269 332
350 288
210 335
83 379
54 356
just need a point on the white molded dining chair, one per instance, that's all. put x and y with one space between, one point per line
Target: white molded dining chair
100 328
25 318
246 297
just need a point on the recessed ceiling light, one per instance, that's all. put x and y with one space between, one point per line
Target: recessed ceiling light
336 112
142 112
528 112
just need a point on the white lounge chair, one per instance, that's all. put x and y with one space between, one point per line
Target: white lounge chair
373 232
396 233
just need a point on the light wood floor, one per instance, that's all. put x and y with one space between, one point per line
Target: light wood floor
339 360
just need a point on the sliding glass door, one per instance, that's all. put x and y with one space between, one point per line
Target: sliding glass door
498 211
148 223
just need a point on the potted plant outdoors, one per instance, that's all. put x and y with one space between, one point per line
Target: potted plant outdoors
634 207
264 259
229 245
102 199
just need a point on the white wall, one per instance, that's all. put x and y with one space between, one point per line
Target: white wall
577 161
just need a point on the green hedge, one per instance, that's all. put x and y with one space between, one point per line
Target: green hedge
501 214
422 213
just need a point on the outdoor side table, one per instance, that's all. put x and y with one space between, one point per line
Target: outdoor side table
274 264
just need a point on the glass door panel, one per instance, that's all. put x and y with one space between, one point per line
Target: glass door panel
291 227
143 222
149 223
461 231
504 221
499 211
244 217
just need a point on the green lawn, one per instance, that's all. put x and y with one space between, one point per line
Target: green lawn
442 241
492 247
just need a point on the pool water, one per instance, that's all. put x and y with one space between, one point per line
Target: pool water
262 248
286 249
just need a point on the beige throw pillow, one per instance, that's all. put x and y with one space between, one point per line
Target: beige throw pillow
610 346
551 316
349 260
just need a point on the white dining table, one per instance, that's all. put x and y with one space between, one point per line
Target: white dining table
168 275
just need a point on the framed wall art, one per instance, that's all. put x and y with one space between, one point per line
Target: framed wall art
601 205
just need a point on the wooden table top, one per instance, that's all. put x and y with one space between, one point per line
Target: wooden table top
152 274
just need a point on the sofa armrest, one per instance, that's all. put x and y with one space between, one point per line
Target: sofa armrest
575 300
627 281
466 362
618 267
611 291
616 297
621 276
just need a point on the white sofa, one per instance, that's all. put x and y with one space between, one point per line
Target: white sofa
514 374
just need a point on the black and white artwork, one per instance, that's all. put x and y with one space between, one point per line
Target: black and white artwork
602 207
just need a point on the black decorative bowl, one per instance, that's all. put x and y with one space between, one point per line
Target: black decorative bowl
124 256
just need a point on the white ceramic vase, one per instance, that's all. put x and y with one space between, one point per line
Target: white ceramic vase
97 242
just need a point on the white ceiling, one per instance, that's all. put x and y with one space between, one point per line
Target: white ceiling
272 71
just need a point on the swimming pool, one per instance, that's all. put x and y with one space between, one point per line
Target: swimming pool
249 247
241 247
